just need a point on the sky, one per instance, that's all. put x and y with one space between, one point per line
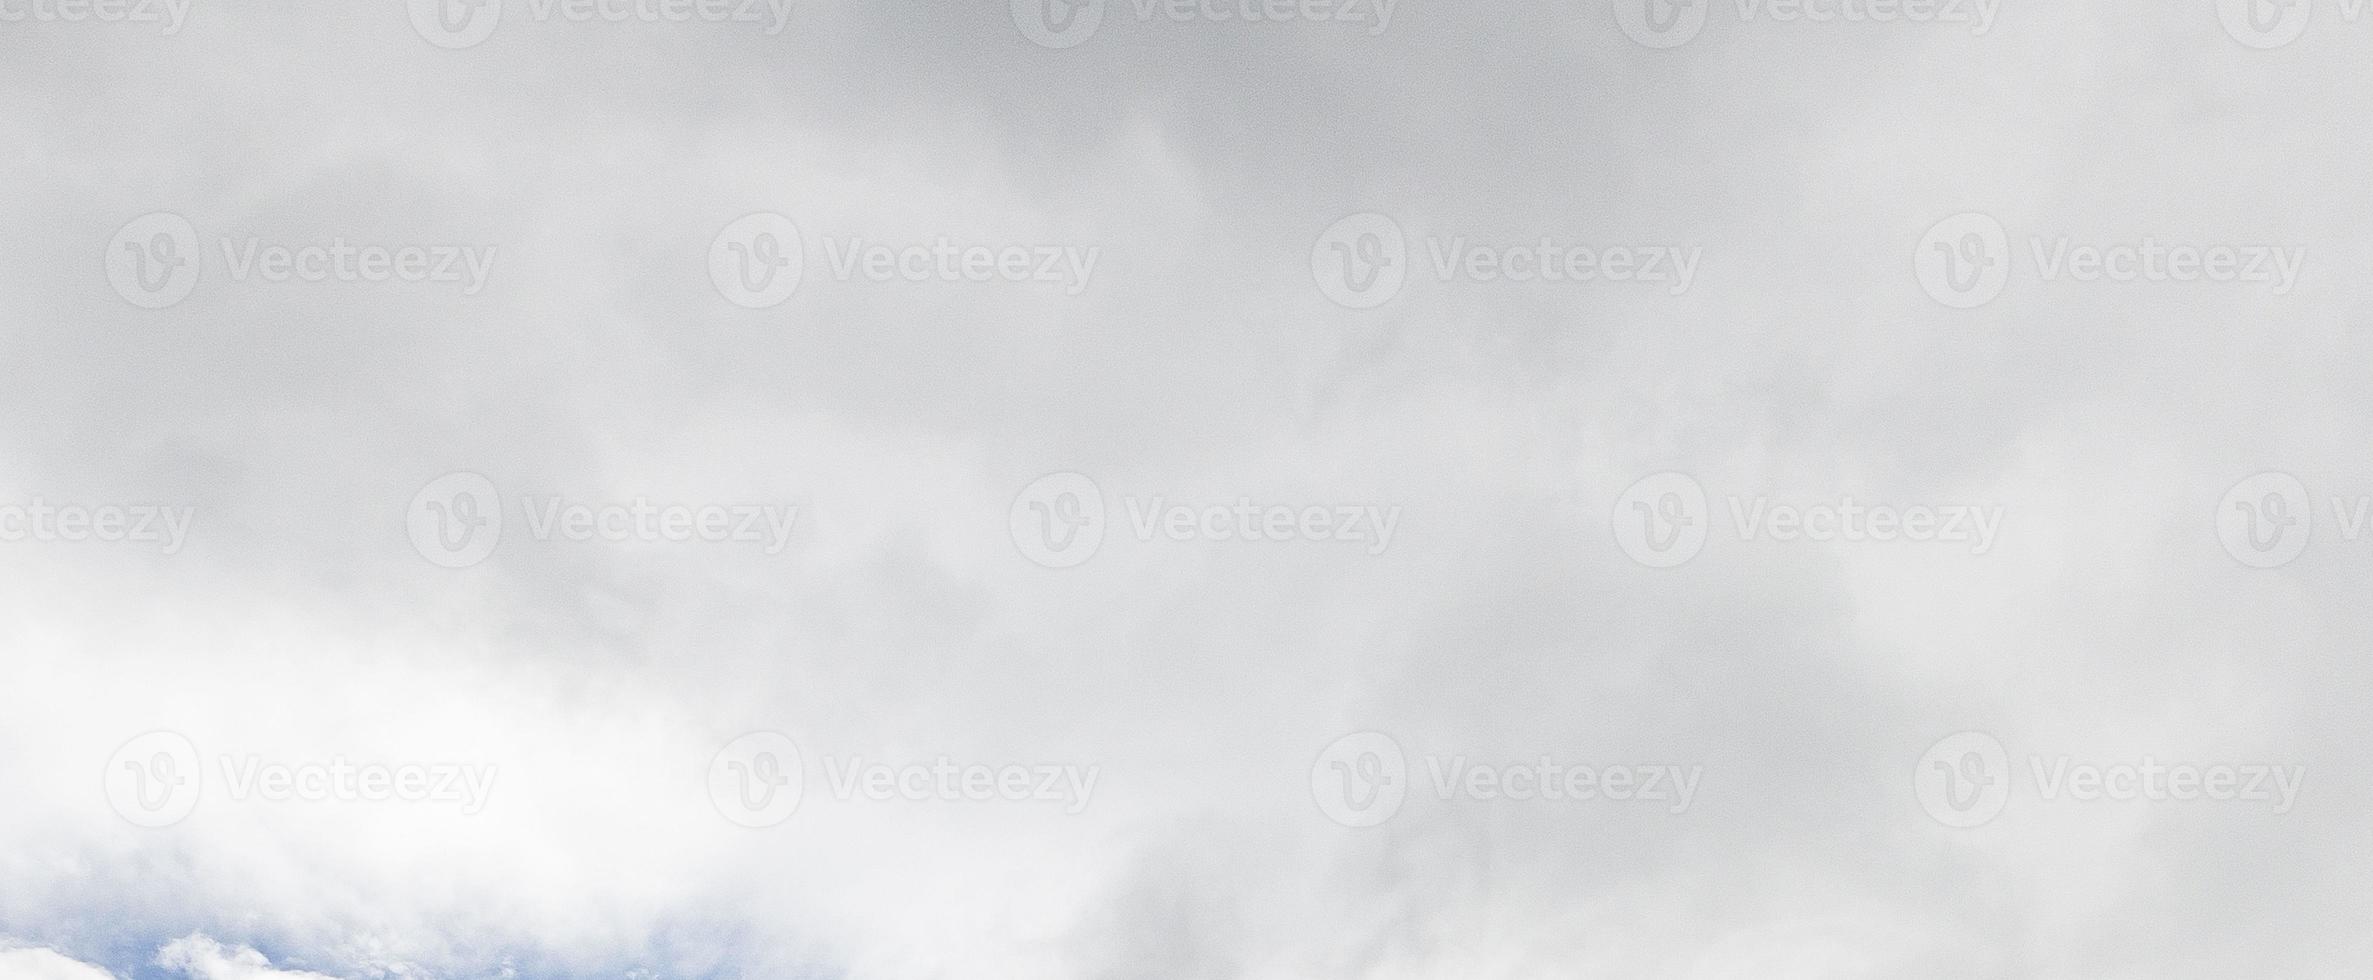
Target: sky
1382 489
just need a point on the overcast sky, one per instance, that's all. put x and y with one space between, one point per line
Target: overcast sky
718 489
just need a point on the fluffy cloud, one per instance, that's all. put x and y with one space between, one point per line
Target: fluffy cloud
592 682
33 963
202 958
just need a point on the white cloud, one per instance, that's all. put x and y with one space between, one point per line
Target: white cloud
201 958
34 963
297 626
